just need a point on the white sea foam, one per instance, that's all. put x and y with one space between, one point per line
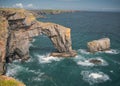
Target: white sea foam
111 71
83 51
112 51
47 58
31 45
86 61
13 69
94 77
38 78
33 40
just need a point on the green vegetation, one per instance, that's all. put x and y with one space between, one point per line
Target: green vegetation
8 81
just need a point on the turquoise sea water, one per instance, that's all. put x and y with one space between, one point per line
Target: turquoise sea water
42 70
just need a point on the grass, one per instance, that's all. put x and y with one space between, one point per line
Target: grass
8 81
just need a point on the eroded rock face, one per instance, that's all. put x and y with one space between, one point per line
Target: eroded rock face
3 37
22 26
64 54
99 45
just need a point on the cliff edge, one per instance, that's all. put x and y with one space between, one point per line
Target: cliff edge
9 81
19 26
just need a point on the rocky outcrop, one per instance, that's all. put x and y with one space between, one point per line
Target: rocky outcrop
21 26
99 45
64 54
3 37
95 61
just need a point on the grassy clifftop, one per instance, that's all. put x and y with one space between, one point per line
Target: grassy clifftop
8 81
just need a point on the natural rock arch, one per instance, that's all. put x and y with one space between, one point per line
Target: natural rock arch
23 27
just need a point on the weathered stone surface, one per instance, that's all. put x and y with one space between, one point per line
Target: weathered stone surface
23 26
99 45
65 54
2 68
9 81
3 37
95 61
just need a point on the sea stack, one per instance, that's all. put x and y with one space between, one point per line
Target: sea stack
99 45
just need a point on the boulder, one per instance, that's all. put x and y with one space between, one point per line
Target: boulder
95 61
99 45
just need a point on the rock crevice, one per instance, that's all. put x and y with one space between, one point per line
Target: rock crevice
21 26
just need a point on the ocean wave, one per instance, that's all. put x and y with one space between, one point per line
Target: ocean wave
33 40
83 51
38 78
13 69
112 51
94 77
47 58
86 61
31 45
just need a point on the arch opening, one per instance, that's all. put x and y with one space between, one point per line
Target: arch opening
41 45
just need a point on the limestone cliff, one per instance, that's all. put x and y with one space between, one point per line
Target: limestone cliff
18 28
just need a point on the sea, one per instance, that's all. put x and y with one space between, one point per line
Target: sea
44 70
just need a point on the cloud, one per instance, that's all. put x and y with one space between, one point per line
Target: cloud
30 5
18 5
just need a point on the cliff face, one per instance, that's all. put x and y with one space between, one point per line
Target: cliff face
3 37
19 28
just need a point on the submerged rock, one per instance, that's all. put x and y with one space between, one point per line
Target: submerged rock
99 45
95 61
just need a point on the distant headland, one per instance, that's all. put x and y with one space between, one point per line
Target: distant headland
39 13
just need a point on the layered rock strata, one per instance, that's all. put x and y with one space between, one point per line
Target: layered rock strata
20 26
99 45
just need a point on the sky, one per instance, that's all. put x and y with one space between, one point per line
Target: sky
89 5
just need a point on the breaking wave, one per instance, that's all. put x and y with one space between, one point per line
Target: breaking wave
13 69
47 58
86 61
83 51
112 51
94 77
